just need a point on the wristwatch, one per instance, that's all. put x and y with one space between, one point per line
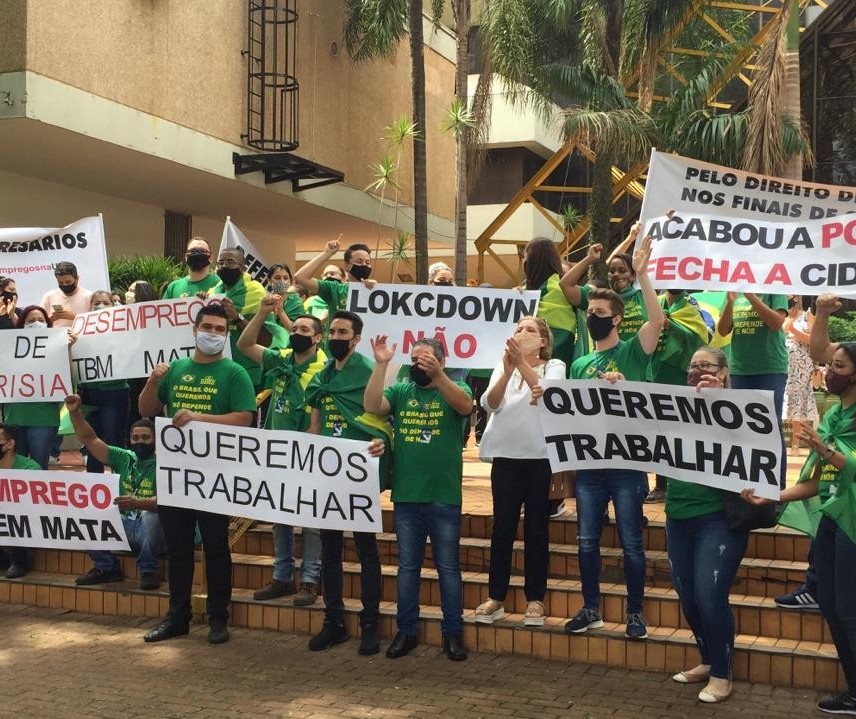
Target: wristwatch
829 452
240 318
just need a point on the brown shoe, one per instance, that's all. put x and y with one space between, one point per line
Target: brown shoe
275 589
306 596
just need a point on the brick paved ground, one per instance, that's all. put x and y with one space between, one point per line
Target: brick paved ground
67 665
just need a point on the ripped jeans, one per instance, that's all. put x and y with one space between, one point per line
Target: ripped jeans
705 556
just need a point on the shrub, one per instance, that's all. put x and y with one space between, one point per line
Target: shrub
158 271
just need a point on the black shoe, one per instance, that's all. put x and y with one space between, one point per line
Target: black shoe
402 645
218 633
275 589
15 571
166 630
841 704
453 647
99 576
330 635
149 581
369 640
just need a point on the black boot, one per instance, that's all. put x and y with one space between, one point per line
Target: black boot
402 645
453 647
369 640
329 635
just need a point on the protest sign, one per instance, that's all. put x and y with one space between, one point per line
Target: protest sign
257 267
727 439
29 254
128 341
294 478
60 510
739 231
471 323
34 366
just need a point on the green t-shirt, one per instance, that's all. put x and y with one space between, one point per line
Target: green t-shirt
32 414
293 306
685 500
634 310
755 348
213 388
136 478
24 463
289 380
626 357
105 386
335 294
428 440
183 287
315 306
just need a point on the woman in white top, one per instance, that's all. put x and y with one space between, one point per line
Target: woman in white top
520 474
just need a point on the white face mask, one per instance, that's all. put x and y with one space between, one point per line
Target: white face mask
210 344
101 306
36 325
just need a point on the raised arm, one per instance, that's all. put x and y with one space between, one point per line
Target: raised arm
819 345
149 404
94 445
248 342
305 276
726 319
374 401
649 333
774 319
570 282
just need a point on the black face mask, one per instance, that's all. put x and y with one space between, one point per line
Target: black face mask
791 304
143 451
68 289
339 348
229 275
198 262
360 272
419 376
443 283
599 327
299 343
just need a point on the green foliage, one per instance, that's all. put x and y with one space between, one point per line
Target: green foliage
459 118
158 271
843 327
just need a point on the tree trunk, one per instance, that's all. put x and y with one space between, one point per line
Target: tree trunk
600 207
420 177
793 109
462 30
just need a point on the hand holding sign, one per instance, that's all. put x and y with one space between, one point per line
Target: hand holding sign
748 495
183 416
377 447
611 377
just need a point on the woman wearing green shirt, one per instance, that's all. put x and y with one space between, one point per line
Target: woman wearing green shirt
280 282
704 555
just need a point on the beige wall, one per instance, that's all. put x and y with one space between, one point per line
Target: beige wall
181 60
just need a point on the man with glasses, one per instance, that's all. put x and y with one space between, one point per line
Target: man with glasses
615 360
197 257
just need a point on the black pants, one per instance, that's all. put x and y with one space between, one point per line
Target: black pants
515 483
834 560
332 545
179 526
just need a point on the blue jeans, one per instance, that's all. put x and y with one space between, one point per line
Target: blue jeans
283 551
146 539
36 443
775 383
627 489
705 555
109 420
414 522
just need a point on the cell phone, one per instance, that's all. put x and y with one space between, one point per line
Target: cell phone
57 308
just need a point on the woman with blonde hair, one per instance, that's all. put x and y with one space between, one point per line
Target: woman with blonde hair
520 472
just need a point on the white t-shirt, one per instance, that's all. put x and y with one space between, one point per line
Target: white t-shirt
514 430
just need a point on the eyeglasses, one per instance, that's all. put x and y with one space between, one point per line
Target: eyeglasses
228 263
704 366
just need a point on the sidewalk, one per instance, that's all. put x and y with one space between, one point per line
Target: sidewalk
66 665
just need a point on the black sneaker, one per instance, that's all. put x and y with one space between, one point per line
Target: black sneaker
584 620
15 571
369 640
798 599
636 628
330 635
100 576
841 704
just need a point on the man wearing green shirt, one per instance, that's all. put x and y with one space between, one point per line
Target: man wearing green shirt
199 278
615 360
429 412
136 500
10 459
288 372
335 395
206 387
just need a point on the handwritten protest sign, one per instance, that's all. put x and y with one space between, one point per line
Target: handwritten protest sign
674 431
34 366
61 510
471 323
277 476
749 233
128 341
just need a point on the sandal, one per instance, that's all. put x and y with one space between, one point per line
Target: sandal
488 612
534 616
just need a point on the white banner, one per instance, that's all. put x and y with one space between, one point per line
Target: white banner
734 230
727 439
471 323
34 365
295 478
257 266
128 341
29 254
60 510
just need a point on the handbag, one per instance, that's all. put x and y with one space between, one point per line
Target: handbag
744 517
